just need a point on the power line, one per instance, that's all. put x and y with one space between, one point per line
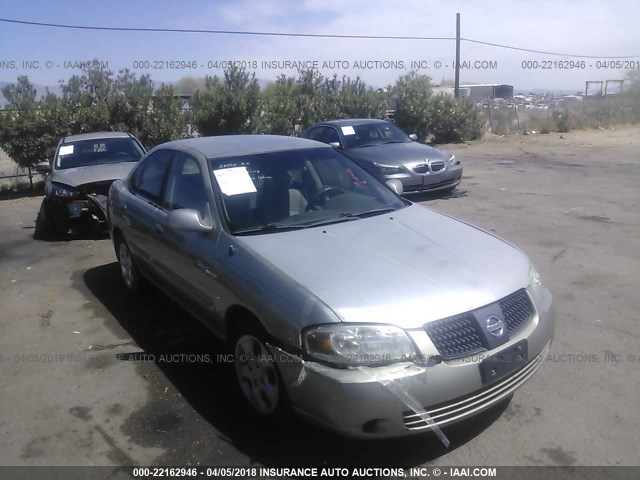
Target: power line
543 52
221 32
307 35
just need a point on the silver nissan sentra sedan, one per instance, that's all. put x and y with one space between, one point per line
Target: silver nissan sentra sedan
354 307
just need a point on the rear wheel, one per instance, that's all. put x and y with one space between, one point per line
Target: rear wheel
131 276
257 373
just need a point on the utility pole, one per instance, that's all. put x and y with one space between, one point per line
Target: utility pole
457 85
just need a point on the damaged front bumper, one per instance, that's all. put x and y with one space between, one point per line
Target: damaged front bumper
409 398
91 209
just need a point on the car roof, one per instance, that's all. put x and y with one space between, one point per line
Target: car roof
95 136
351 121
238 145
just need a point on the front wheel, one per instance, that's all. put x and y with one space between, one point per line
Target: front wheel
45 226
131 276
257 375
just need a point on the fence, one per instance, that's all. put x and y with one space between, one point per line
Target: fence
559 115
30 174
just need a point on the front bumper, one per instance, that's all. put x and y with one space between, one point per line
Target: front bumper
431 181
67 214
357 402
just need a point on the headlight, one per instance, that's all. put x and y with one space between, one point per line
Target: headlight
63 191
389 169
540 295
353 345
452 160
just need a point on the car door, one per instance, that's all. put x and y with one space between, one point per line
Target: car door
315 133
191 256
330 135
141 211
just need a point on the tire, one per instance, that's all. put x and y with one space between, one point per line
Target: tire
45 227
257 374
131 276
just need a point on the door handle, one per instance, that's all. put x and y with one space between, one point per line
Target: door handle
200 264
158 228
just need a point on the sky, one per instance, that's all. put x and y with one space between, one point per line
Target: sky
578 27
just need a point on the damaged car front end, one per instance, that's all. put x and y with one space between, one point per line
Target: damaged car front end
77 188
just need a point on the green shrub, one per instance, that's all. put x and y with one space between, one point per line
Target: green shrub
454 120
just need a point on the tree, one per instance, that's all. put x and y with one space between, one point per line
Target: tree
129 103
310 103
227 106
87 98
189 85
454 119
166 121
280 114
23 130
413 93
356 100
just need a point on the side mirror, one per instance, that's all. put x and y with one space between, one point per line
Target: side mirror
395 185
413 137
335 144
42 167
187 220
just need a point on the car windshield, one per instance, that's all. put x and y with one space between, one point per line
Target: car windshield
94 152
297 189
371 134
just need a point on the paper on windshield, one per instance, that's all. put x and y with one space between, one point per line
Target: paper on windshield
348 130
234 181
66 150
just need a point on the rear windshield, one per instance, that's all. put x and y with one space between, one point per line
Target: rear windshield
94 152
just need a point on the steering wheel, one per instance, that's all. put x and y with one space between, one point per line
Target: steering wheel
323 196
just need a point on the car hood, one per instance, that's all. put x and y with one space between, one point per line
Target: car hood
397 153
405 268
92 173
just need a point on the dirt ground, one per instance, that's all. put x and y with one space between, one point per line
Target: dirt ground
73 393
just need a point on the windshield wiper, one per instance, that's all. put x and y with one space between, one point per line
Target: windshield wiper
269 228
368 213
328 221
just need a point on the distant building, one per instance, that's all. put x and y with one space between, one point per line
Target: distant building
438 89
185 100
488 90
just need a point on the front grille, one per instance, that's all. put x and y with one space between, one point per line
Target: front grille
468 405
437 166
424 168
456 336
430 186
461 335
517 310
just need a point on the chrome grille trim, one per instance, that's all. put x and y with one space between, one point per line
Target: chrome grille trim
467 406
